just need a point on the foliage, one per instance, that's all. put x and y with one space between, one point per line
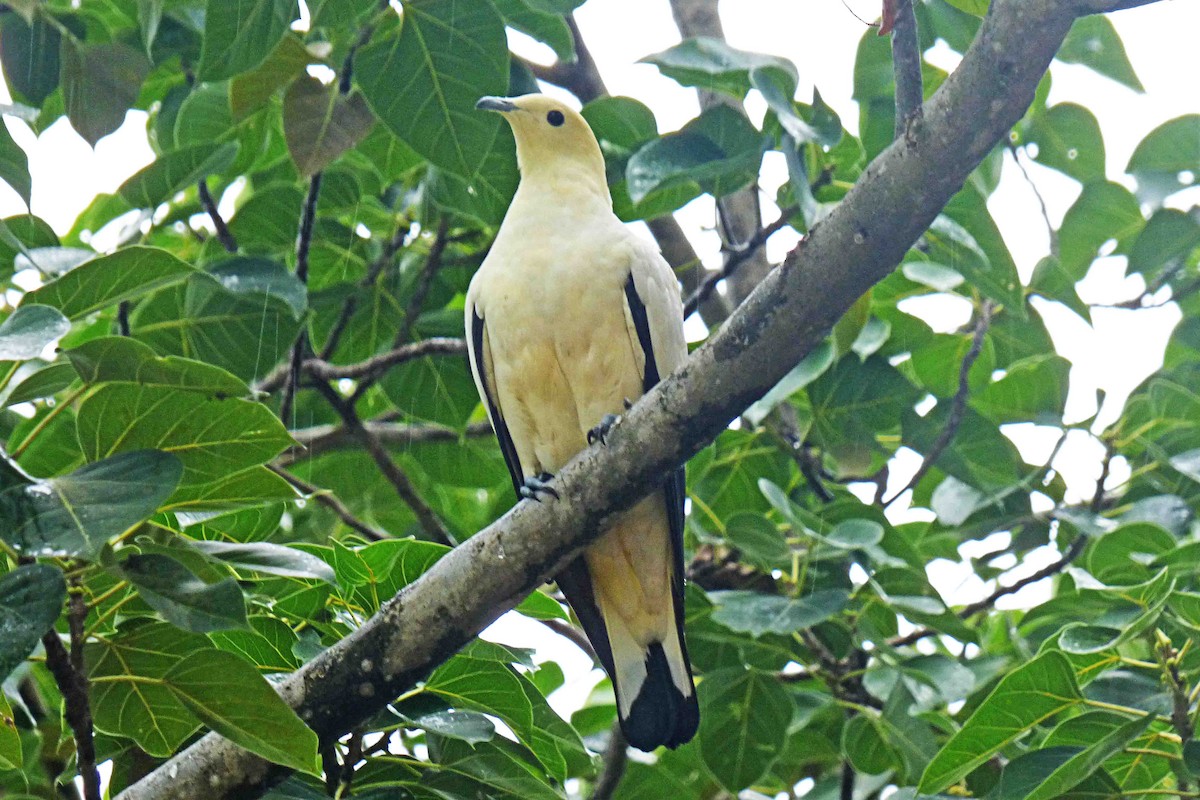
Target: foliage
183 439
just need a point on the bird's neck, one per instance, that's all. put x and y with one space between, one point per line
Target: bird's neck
576 184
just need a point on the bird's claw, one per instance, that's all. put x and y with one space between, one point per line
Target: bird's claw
601 431
537 485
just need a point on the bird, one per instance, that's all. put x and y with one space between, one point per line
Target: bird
571 315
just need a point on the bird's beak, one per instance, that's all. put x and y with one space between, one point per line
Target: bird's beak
501 104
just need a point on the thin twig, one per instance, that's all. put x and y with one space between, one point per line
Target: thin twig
74 687
847 786
400 481
906 66
331 501
224 235
958 405
432 264
321 439
390 248
616 757
737 256
123 328
376 365
308 216
1053 233
576 636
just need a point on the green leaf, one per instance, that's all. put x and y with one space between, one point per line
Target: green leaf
497 768
100 83
251 90
432 390
1032 390
1188 463
53 260
854 534
14 164
119 359
548 28
808 370
128 696
938 277
107 280
467 726
238 39
43 383
757 539
29 53
1068 139
746 715
1025 697
11 755
31 598
542 606
211 437
1128 611
1094 42
1103 211
777 87
182 598
77 514
423 84
719 150
708 63
272 559
262 276
1169 235
756 614
229 696
320 123
1170 148
175 171
28 330
1042 776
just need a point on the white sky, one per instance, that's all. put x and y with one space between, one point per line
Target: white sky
821 37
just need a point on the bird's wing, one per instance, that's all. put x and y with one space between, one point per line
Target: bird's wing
485 379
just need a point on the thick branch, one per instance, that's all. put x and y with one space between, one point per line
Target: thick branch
788 315
906 65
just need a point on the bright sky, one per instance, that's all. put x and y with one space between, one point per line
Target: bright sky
820 36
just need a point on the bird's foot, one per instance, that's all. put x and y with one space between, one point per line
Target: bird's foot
601 431
537 485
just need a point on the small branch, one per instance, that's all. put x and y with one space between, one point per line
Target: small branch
331 501
572 634
1015 153
308 216
224 235
846 791
906 66
958 405
429 521
580 77
616 757
1181 704
372 367
322 439
123 328
390 248
74 687
432 264
737 256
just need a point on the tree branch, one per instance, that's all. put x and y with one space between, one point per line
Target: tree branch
74 687
331 501
958 405
857 245
735 259
390 248
906 66
327 438
308 218
616 757
224 235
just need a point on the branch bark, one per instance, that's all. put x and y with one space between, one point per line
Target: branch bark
857 245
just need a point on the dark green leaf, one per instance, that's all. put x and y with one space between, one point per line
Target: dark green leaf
758 540
320 123
1068 139
1025 697
100 83
1032 390
251 90
1169 235
43 383
31 598
756 614
212 437
808 370
272 559
107 280
746 715
236 40
711 64
1128 612
127 693
28 330
175 171
1104 211
29 53
14 164
184 599
249 276
468 726
549 28
76 514
1094 42
119 359
229 696
423 84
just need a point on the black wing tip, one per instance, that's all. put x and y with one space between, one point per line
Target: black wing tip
660 716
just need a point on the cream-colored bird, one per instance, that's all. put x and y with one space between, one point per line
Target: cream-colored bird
570 316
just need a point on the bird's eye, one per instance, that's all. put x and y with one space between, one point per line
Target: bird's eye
555 118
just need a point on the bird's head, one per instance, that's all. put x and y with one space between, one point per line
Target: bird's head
552 138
